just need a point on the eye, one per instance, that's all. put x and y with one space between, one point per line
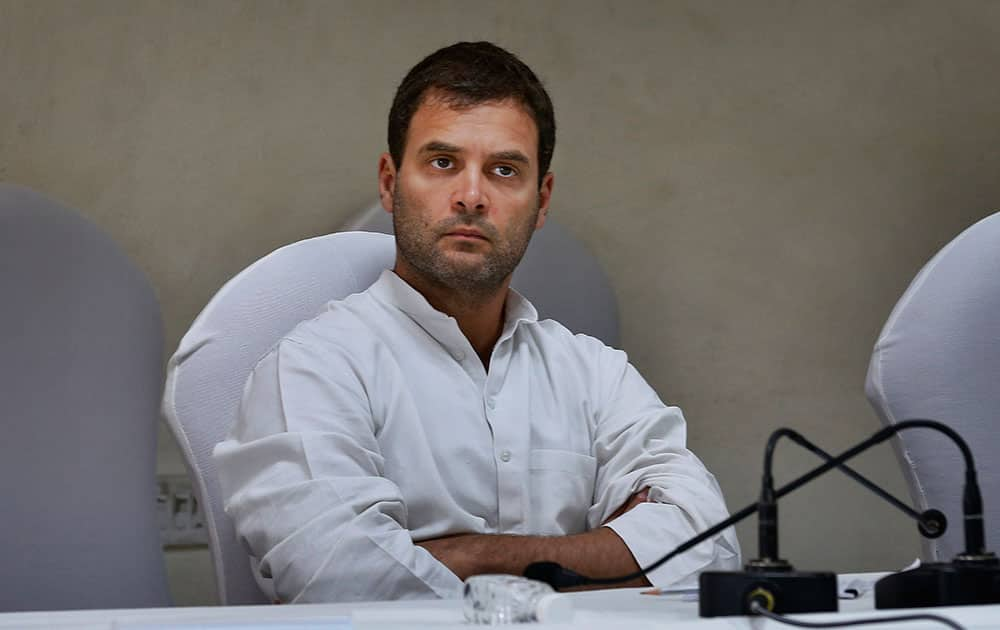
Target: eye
505 171
441 163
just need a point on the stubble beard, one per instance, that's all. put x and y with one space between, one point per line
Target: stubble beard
417 243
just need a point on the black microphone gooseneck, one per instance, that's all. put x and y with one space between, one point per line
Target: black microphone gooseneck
767 514
560 577
931 523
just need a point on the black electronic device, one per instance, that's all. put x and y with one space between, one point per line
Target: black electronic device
726 593
940 584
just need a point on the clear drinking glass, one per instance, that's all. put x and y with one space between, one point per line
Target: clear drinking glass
503 599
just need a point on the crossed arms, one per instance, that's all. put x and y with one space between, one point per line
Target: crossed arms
319 492
597 553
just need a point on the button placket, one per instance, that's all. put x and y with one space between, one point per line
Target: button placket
509 425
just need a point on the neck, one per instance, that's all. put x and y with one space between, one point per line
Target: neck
480 317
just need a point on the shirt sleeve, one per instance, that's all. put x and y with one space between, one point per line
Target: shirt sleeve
640 442
302 478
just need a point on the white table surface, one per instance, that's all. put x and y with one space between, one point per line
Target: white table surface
613 608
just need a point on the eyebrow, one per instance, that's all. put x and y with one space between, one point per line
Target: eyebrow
435 146
511 156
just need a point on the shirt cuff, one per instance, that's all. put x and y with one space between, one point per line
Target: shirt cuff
652 530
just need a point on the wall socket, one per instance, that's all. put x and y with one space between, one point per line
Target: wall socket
179 514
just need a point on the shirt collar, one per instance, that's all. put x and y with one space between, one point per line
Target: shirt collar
394 291
517 309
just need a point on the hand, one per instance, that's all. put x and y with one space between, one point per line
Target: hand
642 496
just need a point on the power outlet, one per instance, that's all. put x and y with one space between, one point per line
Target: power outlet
179 514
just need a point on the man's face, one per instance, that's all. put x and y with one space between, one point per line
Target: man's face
466 199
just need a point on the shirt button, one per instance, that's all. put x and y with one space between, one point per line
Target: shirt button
491 402
505 456
459 355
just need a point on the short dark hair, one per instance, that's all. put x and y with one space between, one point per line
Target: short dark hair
467 74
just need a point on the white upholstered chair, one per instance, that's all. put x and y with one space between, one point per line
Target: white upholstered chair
252 311
242 321
938 357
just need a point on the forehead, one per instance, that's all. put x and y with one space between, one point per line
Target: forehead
492 126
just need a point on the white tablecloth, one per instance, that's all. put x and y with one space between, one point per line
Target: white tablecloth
597 610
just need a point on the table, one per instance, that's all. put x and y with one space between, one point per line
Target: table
596 610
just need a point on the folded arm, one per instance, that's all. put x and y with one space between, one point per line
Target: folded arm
301 475
641 443
597 553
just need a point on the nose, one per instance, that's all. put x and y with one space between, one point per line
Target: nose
469 195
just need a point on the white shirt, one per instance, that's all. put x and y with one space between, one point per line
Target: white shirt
375 425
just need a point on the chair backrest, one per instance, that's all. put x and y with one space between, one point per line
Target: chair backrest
938 357
206 375
82 346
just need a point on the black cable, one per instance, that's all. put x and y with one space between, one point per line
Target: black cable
757 609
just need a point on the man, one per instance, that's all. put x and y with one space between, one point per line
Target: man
431 428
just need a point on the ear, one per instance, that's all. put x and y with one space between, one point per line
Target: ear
544 198
386 180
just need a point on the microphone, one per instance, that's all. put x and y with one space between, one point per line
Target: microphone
770 580
972 577
931 523
767 528
972 511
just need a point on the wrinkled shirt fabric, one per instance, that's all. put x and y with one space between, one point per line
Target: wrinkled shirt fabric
376 424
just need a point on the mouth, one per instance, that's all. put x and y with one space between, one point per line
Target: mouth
464 233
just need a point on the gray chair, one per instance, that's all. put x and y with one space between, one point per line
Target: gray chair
938 357
253 310
81 341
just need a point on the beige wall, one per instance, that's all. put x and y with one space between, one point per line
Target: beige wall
761 179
